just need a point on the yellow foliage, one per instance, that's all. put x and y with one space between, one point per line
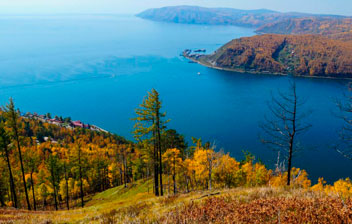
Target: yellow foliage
319 186
299 179
343 188
172 159
255 174
200 164
225 171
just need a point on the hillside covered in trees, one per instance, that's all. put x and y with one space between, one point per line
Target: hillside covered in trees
301 55
335 28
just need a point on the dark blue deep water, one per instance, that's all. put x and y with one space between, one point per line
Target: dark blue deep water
98 68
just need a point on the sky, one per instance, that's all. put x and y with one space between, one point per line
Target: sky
341 7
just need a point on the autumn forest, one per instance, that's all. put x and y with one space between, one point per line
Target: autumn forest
62 169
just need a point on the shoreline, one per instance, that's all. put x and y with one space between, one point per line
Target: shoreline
208 65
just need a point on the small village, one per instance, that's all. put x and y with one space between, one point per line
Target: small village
62 122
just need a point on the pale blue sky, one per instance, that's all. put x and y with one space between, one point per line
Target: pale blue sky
133 6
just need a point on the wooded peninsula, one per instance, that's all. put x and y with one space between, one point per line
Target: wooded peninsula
305 48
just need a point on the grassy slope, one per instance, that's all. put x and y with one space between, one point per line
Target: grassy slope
134 200
100 203
136 205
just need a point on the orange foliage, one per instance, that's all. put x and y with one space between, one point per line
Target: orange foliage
306 55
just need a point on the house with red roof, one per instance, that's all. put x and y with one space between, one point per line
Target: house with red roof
78 124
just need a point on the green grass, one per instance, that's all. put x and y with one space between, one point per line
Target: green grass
121 193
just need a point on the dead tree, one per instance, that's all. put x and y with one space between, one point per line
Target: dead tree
282 129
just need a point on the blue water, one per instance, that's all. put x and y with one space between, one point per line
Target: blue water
98 68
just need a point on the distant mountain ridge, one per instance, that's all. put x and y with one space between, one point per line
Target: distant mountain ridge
221 16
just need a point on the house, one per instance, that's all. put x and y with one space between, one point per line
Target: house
55 121
78 124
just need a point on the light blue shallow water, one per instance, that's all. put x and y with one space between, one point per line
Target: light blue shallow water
98 69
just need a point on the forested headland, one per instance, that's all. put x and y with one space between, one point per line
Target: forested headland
300 55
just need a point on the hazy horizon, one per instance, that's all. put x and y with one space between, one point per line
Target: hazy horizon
135 6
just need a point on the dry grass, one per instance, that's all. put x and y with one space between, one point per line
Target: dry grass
240 205
264 206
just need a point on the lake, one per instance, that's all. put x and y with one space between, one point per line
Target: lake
98 68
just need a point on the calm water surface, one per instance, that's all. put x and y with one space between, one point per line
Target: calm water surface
97 68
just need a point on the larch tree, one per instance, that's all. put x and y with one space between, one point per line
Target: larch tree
150 123
12 116
285 125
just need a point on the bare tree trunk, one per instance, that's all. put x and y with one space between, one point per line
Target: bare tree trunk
160 152
292 136
156 167
283 129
